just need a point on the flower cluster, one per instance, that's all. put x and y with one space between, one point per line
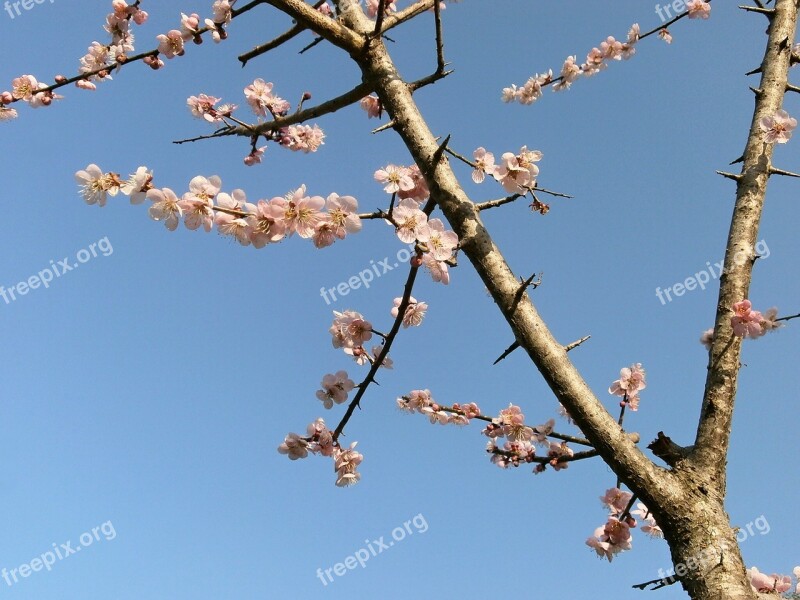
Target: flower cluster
411 223
422 402
261 99
596 60
777 128
614 536
335 388
630 383
323 220
772 584
319 440
516 172
747 322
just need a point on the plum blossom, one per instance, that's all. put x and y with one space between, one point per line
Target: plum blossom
616 500
441 243
610 539
707 338
415 401
294 446
350 329
372 105
745 321
137 185
302 138
222 11
261 99
557 452
648 525
171 43
698 9
411 222
6 114
420 191
254 158
777 128
665 35
335 388
415 311
202 107
96 185
513 454
630 383
24 87
761 582
438 269
346 462
165 207
343 216
570 71
395 179
513 175
484 165
769 321
266 224
303 213
229 223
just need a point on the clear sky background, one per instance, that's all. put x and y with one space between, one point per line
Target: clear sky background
151 387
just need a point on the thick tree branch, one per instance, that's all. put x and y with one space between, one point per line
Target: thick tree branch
713 432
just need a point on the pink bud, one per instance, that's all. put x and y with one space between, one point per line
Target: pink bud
416 261
6 98
306 96
60 79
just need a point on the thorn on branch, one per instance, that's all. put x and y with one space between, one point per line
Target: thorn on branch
524 284
727 175
384 127
776 171
792 88
506 352
767 12
576 343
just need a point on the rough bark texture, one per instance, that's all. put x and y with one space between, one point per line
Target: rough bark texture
687 499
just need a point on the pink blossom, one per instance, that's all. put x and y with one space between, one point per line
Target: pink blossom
769 320
303 213
171 44
616 500
745 321
372 105
230 223
570 71
540 432
324 235
441 243
165 207
294 446
346 462
254 158
320 438
416 400
415 311
96 185
438 269
343 216
350 329
531 91
197 212
777 128
698 9
6 114
514 177
302 138
420 190
190 24
411 222
335 388
707 338
775 584
222 11
649 525
396 179
260 98
484 165
202 107
267 225
24 87
665 35
611 539
630 382
557 452
387 362
611 49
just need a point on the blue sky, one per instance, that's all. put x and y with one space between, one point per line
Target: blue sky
150 387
